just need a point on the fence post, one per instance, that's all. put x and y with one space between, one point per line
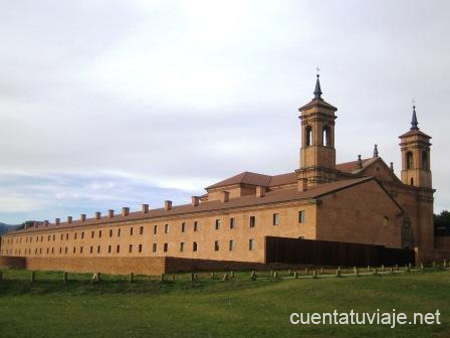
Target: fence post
295 275
253 275
314 274
355 269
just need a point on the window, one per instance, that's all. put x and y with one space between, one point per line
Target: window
140 248
252 221
109 248
301 216
251 244
141 230
326 136
308 136
65 250
110 232
183 226
409 160
216 246
166 247
60 250
91 250
195 226
231 245
130 248
74 250
276 219
166 228
154 247
424 160
232 222
194 247
92 234
53 251
131 231
155 229
53 237
82 235
98 249
75 235
81 250
217 224
412 181
99 234
118 249
118 232
182 246
48 238
62 236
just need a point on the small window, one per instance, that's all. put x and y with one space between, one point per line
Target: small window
231 245
182 246
98 249
81 250
92 234
74 250
155 229
166 247
252 221
166 228
183 227
409 160
276 219
118 232
91 250
194 247
216 246
82 235
118 249
251 244
141 230
217 224
67 237
109 248
53 251
195 226
308 136
110 233
154 247
232 222
301 216
131 231
130 248
99 234
75 236
140 248
62 236
48 238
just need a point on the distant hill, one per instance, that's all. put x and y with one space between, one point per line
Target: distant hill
6 227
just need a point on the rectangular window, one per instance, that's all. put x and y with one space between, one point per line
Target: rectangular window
141 230
194 247
67 237
301 216
109 248
252 221
82 235
182 246
48 238
75 236
130 248
81 250
98 249
110 232
183 227
53 251
231 245
131 231
276 219
154 247
251 244
166 247
140 247
92 234
216 246
118 232
155 229
195 225
118 249
99 234
74 250
166 228
92 249
232 222
62 236
217 224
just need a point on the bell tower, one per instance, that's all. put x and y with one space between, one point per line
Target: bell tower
415 147
317 152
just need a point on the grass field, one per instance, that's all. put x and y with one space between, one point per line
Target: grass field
239 307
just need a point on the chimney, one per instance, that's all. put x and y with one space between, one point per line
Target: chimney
69 219
110 213
57 221
144 208
125 211
83 217
167 205
302 184
98 215
359 162
46 223
225 196
260 191
195 201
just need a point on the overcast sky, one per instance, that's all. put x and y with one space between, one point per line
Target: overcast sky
105 104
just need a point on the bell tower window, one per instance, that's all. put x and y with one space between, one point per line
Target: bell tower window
308 136
326 136
424 160
409 160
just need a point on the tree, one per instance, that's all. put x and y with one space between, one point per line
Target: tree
442 223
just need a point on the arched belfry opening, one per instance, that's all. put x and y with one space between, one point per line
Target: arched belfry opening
308 136
409 160
326 136
425 162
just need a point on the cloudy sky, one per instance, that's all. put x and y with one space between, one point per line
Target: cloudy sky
105 104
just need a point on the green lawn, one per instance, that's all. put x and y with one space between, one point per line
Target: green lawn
213 308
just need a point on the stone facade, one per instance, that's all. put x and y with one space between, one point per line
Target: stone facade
357 202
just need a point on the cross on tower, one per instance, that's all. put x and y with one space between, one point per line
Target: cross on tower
317 70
